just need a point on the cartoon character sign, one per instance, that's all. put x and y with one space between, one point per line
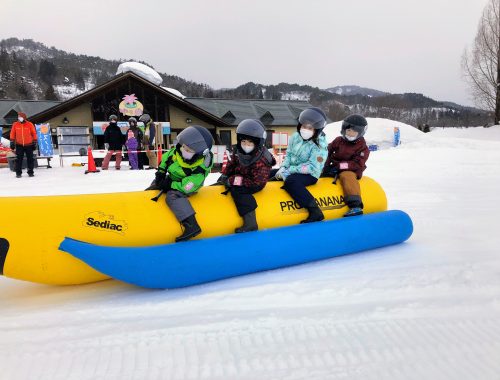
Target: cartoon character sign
130 106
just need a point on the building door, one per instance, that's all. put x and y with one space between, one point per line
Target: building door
225 137
269 138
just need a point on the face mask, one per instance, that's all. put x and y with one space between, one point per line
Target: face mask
186 155
113 122
21 119
306 133
247 148
351 138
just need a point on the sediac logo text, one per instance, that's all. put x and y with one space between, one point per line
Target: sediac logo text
106 223
325 203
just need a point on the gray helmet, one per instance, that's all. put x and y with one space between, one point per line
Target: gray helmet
145 118
355 122
252 129
197 138
113 117
314 116
132 119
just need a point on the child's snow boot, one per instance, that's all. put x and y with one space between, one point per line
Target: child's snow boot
249 223
354 211
315 214
191 229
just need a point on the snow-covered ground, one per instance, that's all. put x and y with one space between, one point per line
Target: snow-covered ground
425 309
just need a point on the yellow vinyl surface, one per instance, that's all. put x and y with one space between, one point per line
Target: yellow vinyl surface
132 219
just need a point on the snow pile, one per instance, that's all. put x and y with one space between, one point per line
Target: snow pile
142 70
175 92
381 132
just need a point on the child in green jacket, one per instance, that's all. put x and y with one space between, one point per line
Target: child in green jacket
182 172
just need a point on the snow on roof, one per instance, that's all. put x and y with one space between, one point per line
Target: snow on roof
174 91
142 70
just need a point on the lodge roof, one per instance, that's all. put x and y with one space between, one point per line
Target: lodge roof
10 108
270 112
173 99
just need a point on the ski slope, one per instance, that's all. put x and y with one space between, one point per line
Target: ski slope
426 309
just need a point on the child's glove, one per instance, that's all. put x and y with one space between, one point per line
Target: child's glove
153 186
166 184
331 171
223 180
282 173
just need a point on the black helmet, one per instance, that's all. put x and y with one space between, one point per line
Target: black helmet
313 116
355 122
145 118
253 130
132 120
196 138
113 117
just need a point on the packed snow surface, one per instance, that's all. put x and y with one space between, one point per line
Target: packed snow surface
425 309
142 70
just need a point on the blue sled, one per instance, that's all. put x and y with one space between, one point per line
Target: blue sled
200 261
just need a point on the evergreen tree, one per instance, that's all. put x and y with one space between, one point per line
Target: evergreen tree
50 94
47 71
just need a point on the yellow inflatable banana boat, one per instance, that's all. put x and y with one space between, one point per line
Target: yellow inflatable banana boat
29 250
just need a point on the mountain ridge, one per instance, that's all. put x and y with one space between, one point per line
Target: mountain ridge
32 70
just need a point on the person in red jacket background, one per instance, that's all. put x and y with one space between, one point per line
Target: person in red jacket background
347 155
23 139
248 171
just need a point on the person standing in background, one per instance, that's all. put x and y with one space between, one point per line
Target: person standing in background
149 140
24 140
138 136
113 142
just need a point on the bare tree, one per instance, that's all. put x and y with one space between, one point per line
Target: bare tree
481 63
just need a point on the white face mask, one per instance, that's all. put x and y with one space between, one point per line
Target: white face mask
306 133
21 119
351 138
247 148
187 155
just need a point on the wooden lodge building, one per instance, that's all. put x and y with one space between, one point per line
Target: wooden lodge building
220 116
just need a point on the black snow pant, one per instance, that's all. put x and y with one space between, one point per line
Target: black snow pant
295 185
20 151
243 198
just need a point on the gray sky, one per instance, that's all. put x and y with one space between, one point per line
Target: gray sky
389 45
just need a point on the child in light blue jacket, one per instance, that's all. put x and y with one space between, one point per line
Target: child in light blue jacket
305 157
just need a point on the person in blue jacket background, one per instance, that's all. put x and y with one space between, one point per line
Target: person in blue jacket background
305 157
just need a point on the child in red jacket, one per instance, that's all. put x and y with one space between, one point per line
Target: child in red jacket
248 171
347 155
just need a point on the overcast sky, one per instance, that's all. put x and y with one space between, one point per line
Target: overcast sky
390 45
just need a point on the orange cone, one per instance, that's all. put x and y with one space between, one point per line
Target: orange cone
91 162
224 160
159 154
